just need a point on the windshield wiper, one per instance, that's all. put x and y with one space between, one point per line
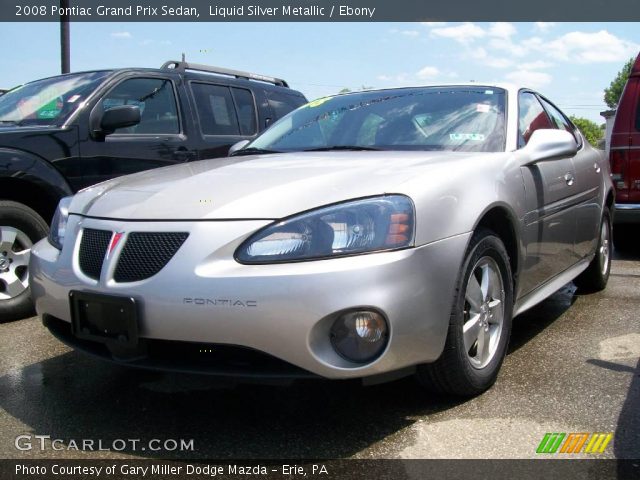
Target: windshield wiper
252 151
11 122
341 147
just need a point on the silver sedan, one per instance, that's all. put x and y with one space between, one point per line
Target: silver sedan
368 235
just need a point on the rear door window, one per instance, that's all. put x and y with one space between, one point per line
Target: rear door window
216 109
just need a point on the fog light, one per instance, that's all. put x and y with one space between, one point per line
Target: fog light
359 336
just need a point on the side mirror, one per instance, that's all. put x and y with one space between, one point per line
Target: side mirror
237 146
549 144
122 116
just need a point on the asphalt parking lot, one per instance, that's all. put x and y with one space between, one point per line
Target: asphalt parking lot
573 366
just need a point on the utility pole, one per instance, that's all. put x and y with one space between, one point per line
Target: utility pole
65 48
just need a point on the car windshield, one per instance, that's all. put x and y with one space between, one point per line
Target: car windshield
49 101
428 118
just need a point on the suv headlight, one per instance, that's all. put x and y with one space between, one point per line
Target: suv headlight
359 226
59 223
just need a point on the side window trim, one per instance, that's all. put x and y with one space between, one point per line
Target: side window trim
255 110
150 76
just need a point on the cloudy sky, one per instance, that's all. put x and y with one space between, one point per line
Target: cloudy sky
569 62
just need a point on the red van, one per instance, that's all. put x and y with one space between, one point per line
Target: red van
625 160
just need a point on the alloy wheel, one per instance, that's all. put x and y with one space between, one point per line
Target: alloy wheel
605 248
483 312
15 250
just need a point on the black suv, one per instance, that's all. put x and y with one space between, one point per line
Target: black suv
64 133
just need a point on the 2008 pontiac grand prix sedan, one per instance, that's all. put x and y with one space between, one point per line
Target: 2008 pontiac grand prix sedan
368 235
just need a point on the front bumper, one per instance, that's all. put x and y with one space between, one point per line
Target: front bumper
627 213
203 296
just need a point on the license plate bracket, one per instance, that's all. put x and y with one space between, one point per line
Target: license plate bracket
104 318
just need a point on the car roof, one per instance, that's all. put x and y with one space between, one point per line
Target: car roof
511 88
187 74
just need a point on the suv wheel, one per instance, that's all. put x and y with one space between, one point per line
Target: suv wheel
20 228
480 322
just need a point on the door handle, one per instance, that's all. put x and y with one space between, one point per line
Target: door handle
596 167
569 179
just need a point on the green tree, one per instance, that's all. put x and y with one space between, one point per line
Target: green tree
591 131
345 90
614 91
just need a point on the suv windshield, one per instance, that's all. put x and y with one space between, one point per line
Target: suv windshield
428 118
48 101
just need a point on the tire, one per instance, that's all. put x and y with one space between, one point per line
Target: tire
20 228
466 368
596 276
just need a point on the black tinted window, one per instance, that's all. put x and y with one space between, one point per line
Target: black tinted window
282 103
531 117
246 110
156 100
215 109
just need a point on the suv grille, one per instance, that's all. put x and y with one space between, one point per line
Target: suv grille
93 248
146 253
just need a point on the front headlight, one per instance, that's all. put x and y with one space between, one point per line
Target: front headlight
359 226
59 223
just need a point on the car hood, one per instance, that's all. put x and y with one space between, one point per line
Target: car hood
260 187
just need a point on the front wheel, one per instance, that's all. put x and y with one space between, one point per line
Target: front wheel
480 322
20 228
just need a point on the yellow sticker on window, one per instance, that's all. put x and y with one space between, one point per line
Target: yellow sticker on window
317 102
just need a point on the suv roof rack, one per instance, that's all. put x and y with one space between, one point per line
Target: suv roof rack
183 65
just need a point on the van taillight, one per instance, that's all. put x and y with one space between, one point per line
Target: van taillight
619 165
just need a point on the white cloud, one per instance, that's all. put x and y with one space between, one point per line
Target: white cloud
544 26
496 62
535 65
506 45
502 30
146 42
478 53
529 78
428 72
166 42
465 33
407 33
434 24
121 35
594 47
399 78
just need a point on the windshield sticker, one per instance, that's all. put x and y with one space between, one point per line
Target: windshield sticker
488 92
73 99
317 102
476 137
483 108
